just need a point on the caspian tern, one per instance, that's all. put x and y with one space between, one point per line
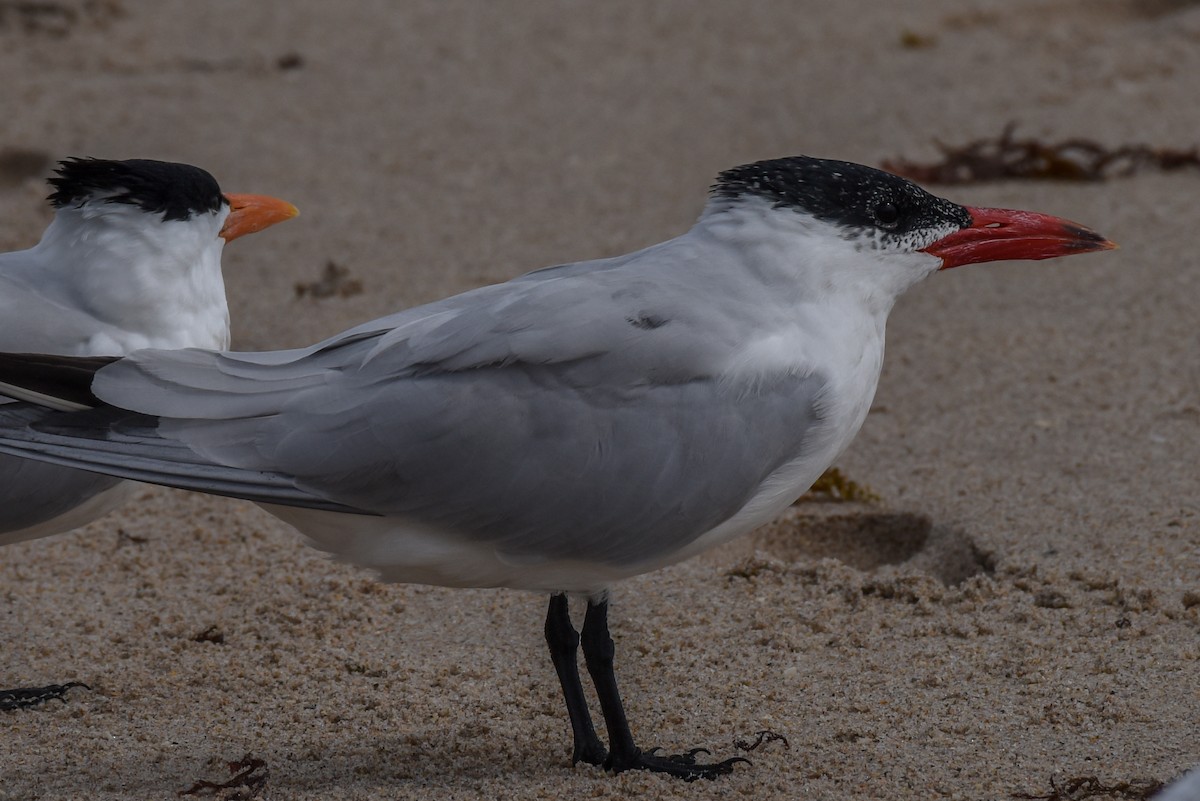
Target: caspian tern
132 259
567 429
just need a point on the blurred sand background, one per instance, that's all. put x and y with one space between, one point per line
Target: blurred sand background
1021 607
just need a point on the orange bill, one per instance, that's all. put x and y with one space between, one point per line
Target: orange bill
250 214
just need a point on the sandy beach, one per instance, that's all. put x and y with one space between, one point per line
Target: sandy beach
1020 607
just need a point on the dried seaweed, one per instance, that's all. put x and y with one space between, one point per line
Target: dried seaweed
289 61
18 164
32 696
1082 787
833 485
335 280
125 538
1006 157
57 18
246 784
761 737
912 40
211 634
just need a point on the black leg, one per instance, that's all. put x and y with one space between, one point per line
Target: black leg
598 652
32 696
564 645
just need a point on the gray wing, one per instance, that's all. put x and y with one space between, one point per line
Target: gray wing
515 457
37 320
530 461
604 318
114 442
36 493
578 415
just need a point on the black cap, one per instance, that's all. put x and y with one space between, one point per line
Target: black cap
841 192
177 191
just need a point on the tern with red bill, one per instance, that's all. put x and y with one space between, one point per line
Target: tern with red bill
562 431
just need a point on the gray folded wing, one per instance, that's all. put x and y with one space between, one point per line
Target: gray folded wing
113 442
585 416
37 492
39 319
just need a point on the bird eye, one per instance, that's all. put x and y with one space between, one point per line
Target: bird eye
887 215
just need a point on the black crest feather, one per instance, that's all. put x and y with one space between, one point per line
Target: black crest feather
840 192
177 191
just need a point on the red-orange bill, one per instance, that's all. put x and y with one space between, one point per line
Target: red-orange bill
1005 234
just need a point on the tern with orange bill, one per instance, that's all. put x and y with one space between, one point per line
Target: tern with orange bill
132 259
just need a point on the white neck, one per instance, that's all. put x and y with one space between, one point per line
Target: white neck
811 259
826 309
158 283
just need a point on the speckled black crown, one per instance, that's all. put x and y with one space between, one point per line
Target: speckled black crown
177 191
841 192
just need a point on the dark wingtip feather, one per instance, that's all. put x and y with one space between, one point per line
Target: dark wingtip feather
67 378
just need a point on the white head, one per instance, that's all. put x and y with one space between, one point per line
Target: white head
872 233
139 243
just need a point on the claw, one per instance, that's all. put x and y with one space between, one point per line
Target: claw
684 766
32 696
